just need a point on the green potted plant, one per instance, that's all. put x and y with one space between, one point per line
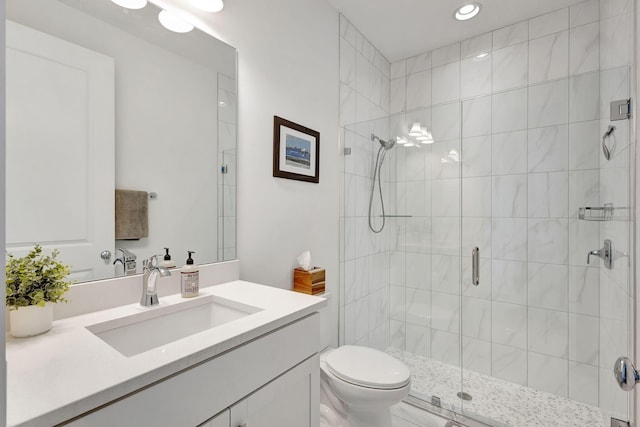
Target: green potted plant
34 282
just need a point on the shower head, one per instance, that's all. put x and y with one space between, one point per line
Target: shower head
388 145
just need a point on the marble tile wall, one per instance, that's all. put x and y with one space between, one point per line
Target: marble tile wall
364 257
517 115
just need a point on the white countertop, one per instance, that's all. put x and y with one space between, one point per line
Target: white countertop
69 371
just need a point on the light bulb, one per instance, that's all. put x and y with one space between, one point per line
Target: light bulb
173 21
131 4
208 5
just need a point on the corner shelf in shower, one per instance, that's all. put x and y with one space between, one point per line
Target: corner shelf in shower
599 213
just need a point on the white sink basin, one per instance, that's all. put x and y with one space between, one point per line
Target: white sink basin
158 326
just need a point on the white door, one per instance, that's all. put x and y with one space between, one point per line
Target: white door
60 150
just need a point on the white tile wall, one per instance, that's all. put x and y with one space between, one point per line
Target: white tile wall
368 302
523 107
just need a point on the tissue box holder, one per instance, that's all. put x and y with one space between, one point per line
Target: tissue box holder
309 282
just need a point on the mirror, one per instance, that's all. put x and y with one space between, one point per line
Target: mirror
101 99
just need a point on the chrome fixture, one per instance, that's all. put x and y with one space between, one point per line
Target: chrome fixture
105 255
620 110
605 253
386 144
128 261
464 396
475 266
598 213
626 374
151 270
382 152
435 401
608 136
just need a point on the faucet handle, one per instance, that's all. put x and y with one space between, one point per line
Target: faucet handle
150 262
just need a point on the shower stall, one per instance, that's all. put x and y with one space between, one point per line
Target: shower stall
502 269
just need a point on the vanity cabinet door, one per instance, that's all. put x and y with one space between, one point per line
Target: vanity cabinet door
220 420
292 399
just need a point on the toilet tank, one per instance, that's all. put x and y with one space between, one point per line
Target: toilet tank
326 325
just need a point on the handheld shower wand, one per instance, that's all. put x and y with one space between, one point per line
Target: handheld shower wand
382 151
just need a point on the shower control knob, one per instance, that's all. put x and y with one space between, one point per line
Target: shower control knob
626 374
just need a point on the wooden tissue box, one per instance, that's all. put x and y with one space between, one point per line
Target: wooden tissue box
309 282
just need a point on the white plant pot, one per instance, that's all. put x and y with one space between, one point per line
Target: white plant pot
31 320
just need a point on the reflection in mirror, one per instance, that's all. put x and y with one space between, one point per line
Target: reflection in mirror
102 99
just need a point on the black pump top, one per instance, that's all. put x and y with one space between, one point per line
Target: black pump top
189 260
167 257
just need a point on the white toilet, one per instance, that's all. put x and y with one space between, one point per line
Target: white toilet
359 385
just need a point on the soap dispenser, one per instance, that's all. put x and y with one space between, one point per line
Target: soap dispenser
167 262
189 278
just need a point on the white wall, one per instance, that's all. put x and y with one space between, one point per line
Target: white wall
287 66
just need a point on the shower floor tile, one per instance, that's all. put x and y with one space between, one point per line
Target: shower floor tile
501 402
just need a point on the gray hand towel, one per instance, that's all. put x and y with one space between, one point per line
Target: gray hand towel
132 214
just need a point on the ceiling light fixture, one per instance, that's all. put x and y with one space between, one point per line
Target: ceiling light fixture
416 129
208 5
482 55
131 4
467 11
173 21
400 140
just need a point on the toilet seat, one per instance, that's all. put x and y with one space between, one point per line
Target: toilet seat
366 367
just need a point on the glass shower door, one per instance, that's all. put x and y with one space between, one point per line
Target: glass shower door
542 330
425 249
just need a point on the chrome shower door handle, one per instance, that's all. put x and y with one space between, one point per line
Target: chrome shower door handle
475 266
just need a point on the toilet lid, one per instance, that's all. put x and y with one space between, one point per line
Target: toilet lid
367 367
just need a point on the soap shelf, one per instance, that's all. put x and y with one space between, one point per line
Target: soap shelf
599 213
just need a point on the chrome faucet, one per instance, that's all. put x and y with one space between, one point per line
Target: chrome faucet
151 271
128 261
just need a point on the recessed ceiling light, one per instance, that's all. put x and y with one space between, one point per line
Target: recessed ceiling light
174 22
467 11
131 4
208 5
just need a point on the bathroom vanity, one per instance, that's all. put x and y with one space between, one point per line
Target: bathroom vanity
239 354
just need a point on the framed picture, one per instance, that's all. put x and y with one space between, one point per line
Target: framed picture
296 151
